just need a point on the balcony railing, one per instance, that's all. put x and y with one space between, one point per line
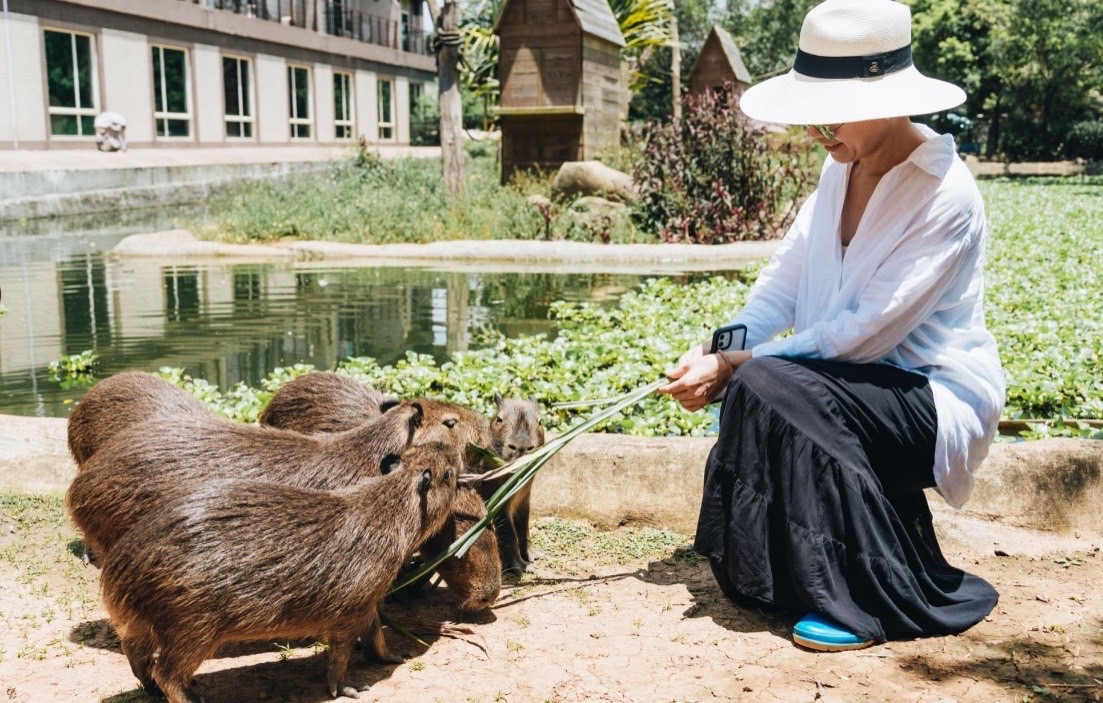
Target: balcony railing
339 21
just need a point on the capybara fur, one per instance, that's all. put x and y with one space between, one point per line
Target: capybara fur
323 401
332 402
127 477
515 431
236 560
329 402
120 401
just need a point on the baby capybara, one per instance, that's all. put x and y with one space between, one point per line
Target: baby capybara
241 560
143 463
323 401
515 430
330 402
120 401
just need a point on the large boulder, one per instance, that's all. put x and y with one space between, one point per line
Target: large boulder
591 218
594 178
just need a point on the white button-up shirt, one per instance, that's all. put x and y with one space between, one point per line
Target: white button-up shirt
910 293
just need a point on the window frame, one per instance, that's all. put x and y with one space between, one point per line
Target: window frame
293 119
249 94
189 102
391 123
93 74
349 121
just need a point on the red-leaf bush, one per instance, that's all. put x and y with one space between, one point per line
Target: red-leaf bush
715 176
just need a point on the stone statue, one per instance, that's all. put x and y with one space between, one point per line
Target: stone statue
110 131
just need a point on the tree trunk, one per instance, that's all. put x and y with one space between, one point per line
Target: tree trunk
451 104
675 69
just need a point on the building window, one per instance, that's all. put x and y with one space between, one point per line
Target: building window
237 98
171 92
298 79
342 104
386 109
70 83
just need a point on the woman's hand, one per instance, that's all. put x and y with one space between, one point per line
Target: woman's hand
700 377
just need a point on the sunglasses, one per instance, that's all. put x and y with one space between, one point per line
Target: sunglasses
828 131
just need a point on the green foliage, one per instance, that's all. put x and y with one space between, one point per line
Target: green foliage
767 32
652 96
3 310
370 201
1085 141
714 177
1045 294
75 370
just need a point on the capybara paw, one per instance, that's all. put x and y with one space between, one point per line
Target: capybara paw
390 657
344 689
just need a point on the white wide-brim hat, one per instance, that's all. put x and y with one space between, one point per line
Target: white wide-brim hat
854 63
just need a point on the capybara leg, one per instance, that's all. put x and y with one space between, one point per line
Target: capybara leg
521 523
175 668
340 650
139 649
507 544
376 644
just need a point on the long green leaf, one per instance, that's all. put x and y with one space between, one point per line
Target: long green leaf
520 472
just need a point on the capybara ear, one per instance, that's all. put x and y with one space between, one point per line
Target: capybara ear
388 403
426 479
389 463
498 399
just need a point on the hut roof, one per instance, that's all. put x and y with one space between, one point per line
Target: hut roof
594 16
731 51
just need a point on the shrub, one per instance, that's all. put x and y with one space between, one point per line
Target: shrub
716 177
1085 141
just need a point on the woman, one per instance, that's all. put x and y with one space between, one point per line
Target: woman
890 382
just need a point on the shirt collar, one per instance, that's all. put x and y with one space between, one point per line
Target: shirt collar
935 155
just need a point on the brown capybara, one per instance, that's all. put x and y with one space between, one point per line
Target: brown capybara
332 402
127 477
238 560
515 431
329 402
323 401
120 401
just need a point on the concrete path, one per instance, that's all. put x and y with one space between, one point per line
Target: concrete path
91 159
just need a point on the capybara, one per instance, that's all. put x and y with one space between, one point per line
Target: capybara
329 402
323 401
237 560
515 430
120 401
143 463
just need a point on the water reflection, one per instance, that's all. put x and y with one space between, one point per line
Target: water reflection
231 323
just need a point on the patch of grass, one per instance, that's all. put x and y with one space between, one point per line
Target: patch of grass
571 540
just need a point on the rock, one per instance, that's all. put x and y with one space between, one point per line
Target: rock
539 202
594 178
592 217
110 131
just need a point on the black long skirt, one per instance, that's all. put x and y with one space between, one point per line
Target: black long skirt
814 500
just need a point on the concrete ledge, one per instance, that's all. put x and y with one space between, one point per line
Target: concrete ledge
182 244
1054 485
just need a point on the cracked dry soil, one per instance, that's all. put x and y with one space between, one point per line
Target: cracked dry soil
629 615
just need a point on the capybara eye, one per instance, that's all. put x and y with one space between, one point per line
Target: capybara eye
450 422
389 463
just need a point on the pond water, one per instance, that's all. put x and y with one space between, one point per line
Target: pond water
230 322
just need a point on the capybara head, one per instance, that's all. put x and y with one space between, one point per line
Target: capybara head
515 429
476 577
456 425
323 401
120 401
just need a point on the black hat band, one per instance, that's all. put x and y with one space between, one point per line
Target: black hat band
872 66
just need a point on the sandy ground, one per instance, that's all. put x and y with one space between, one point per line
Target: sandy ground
628 615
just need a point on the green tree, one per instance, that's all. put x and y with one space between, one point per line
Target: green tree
652 97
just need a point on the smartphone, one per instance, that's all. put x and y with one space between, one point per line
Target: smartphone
729 338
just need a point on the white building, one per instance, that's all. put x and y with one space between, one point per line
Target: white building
208 73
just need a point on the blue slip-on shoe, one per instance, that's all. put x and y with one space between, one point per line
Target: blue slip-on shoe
817 632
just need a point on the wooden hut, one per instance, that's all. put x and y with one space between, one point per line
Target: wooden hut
564 89
718 63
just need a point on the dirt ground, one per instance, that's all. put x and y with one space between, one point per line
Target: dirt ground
629 615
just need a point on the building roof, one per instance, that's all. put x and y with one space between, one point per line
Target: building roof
594 16
731 51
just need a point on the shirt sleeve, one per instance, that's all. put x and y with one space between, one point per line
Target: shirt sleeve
772 303
903 292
